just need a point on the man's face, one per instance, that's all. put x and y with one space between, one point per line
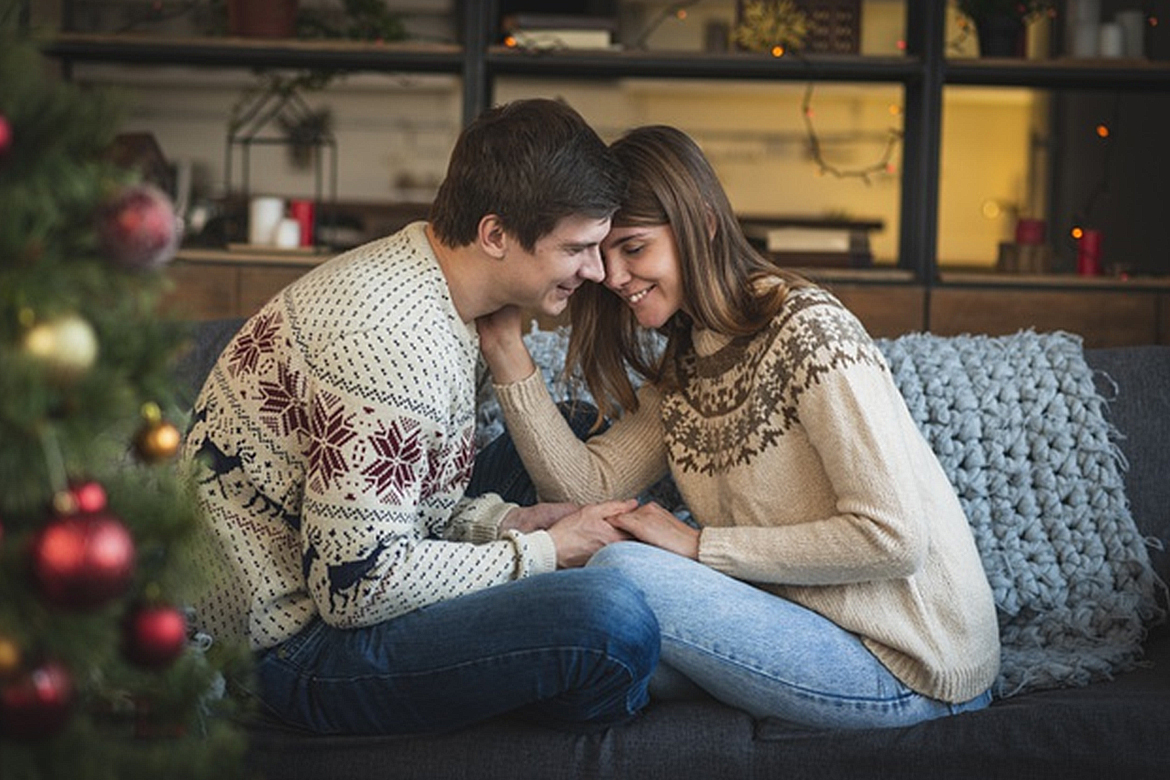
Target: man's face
560 262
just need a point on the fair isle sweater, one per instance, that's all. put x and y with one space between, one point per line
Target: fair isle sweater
797 456
335 438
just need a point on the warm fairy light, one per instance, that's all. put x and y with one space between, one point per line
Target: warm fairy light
681 14
1077 232
1102 131
895 109
777 51
991 209
1153 21
901 44
510 42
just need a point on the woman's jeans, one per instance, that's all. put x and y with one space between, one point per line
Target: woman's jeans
759 652
573 648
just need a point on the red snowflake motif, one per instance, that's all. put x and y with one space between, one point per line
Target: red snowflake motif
450 466
281 407
329 431
250 345
396 451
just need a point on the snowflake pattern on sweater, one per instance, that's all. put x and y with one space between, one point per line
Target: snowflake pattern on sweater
336 436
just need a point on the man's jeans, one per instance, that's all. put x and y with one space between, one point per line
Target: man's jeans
568 648
571 648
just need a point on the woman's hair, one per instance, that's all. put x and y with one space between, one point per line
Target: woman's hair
672 183
532 163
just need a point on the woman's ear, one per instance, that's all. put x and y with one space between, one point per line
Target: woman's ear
712 223
493 240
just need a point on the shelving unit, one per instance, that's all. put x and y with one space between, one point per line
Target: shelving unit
923 73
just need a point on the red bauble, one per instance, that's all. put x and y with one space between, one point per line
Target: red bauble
155 635
82 561
5 136
36 703
89 497
138 228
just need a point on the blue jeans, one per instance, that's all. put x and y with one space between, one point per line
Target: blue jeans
573 648
761 653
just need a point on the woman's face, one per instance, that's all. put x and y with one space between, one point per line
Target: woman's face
642 268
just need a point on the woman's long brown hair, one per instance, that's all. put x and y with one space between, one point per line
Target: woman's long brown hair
672 183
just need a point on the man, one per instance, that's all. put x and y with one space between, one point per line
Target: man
335 437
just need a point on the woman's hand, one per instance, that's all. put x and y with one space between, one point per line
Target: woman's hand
582 533
652 524
501 340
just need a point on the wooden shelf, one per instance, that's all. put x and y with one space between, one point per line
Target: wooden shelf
257 53
594 64
1123 75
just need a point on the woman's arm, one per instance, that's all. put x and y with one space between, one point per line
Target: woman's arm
619 463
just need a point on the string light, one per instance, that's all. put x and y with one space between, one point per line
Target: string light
884 164
1104 134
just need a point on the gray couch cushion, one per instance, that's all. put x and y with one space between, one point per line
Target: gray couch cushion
1136 380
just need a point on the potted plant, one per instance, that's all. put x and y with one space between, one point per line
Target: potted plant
1000 23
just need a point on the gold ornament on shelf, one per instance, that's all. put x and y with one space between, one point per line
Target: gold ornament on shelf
771 25
157 440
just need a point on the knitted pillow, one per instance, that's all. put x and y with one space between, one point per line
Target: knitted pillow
1020 430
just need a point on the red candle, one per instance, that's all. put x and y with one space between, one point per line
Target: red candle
1089 253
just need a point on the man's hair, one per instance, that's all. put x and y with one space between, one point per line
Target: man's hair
530 162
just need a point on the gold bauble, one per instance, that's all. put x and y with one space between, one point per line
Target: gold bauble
67 345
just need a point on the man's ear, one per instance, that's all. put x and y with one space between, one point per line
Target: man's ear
492 238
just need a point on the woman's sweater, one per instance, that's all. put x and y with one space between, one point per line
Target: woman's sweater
795 452
336 437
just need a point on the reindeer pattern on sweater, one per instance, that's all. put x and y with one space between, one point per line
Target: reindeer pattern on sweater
334 440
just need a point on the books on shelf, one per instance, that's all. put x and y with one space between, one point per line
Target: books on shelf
558 31
813 242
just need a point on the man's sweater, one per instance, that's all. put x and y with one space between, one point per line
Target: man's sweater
795 452
336 436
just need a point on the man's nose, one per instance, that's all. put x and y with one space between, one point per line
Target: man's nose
593 269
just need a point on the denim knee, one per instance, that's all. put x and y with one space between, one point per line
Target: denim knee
623 556
615 608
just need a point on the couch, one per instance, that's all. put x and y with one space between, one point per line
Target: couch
1106 717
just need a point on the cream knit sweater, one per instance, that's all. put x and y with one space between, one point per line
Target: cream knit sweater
795 452
336 437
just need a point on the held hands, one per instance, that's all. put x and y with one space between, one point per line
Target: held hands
652 524
580 534
538 517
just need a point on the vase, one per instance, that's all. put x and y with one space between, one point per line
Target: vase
262 18
1001 36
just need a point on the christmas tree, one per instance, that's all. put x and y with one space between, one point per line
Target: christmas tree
100 675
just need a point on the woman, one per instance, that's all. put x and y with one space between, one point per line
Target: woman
833 579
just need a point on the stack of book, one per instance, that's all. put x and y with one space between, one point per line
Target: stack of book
558 31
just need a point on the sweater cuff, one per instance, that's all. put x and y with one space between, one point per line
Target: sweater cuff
483 516
524 394
537 552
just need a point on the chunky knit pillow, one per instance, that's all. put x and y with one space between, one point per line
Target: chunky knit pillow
1020 430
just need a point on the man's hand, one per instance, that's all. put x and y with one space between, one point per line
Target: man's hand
582 533
537 517
652 524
